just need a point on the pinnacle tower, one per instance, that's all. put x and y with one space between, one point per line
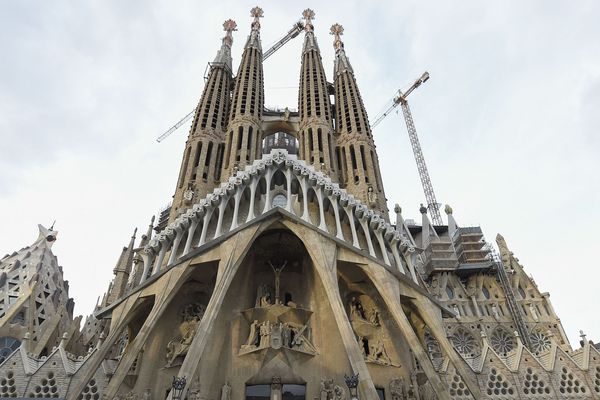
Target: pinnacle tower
203 155
243 139
316 122
359 164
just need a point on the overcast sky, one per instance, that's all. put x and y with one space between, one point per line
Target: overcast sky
509 121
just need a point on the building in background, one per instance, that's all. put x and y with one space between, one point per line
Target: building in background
276 273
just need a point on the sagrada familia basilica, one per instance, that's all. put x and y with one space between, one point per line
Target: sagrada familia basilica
277 273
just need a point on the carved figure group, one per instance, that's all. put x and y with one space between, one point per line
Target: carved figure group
281 334
179 345
358 312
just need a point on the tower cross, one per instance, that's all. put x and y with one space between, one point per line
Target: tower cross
229 26
308 15
337 30
256 13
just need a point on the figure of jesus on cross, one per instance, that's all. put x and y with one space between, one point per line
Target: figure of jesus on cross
277 271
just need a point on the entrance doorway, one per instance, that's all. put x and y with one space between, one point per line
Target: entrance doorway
276 392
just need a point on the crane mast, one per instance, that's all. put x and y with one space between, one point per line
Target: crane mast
400 99
292 33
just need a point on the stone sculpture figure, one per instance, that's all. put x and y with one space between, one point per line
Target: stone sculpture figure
374 317
326 389
179 345
286 335
226 391
456 311
495 312
371 196
253 335
147 395
379 354
265 333
398 389
339 393
533 312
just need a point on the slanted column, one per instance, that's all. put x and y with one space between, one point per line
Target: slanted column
161 256
236 206
288 179
338 225
222 204
190 237
411 268
253 186
322 224
178 236
304 187
362 219
268 177
395 242
148 257
350 215
384 253
205 222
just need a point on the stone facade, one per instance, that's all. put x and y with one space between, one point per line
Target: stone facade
282 276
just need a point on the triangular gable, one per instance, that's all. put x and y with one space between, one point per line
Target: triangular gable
569 380
14 373
535 381
496 380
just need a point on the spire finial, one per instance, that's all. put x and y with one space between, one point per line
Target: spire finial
448 210
308 15
257 13
229 26
337 30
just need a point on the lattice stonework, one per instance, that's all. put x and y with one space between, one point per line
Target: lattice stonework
7 385
458 389
90 392
46 388
498 387
597 380
571 386
534 386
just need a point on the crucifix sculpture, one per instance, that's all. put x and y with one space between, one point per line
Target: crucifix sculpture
277 271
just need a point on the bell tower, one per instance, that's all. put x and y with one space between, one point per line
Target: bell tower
243 139
360 173
316 122
201 166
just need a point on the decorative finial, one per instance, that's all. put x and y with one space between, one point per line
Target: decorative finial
337 30
308 15
229 26
397 209
423 209
448 210
256 13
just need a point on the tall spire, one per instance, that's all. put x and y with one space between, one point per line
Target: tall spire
224 54
122 271
243 137
316 125
200 169
359 164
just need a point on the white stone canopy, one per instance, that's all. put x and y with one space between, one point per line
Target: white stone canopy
310 195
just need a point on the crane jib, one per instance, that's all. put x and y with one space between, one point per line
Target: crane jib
292 33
